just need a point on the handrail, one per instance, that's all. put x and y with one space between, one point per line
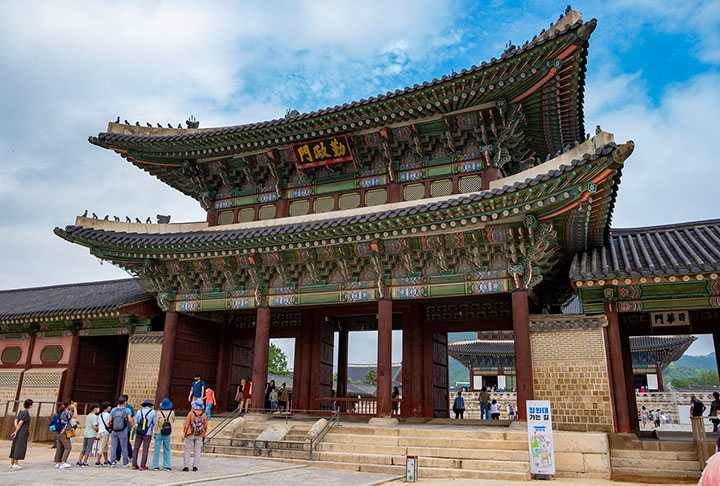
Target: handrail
334 420
258 445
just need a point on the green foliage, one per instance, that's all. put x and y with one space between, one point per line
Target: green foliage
371 377
683 376
277 361
457 372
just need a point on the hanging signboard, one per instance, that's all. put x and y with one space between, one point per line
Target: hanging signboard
327 151
670 318
540 437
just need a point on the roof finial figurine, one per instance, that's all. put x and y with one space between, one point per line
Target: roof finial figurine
597 130
179 125
148 220
127 219
148 124
568 9
94 216
192 122
587 136
137 123
106 218
85 214
159 126
169 125
137 220
115 218
118 120
127 122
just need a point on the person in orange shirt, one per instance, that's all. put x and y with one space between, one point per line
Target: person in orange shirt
194 431
209 400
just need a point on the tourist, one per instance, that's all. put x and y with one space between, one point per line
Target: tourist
495 410
209 400
65 432
657 418
89 435
19 436
239 395
103 435
131 416
197 389
511 412
644 416
163 433
670 418
484 404
283 395
395 397
269 387
194 431
714 408
246 394
459 405
55 424
273 401
121 421
144 426
696 406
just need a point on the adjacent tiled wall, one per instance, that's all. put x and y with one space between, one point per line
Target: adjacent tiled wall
43 386
9 380
570 370
143 367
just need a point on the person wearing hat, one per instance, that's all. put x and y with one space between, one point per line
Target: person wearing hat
144 425
194 431
165 417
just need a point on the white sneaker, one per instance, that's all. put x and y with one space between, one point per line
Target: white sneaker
57 465
64 465
16 466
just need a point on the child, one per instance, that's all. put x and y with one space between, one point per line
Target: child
273 400
104 429
495 410
90 435
209 400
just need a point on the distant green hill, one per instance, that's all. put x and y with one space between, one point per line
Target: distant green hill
706 362
456 370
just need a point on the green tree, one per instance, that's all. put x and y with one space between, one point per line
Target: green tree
371 377
277 361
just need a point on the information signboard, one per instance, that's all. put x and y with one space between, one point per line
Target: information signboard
540 437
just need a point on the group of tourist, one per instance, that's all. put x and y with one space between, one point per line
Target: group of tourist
109 430
655 418
275 398
489 408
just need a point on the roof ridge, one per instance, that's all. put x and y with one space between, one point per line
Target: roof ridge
77 284
666 227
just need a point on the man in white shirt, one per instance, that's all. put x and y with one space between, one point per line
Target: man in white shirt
104 434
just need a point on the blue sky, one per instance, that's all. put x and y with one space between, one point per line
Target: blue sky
70 67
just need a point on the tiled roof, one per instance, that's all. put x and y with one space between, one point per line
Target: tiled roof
63 301
675 249
71 233
506 348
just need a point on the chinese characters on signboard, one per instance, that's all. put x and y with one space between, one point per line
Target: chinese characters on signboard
322 152
670 318
540 437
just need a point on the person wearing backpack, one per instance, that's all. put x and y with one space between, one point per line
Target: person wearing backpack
165 417
121 421
65 430
144 426
194 431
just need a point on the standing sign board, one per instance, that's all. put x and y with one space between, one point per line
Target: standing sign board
540 437
411 466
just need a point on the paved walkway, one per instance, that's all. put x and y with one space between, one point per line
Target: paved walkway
38 469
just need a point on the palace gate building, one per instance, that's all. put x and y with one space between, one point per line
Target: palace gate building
474 202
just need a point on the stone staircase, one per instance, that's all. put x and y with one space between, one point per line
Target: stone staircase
641 460
470 453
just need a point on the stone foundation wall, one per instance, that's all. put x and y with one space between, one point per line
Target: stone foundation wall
570 370
143 367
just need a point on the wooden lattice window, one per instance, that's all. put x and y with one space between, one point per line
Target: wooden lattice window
225 217
299 208
441 188
470 184
412 192
375 197
267 212
246 215
324 204
349 201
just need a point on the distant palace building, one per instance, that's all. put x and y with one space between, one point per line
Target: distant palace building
475 202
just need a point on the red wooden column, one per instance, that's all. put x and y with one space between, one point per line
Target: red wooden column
167 356
523 355
660 378
68 385
303 353
489 174
342 366
384 364
614 344
629 381
260 356
412 363
716 345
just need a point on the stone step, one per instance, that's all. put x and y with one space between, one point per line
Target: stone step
640 474
487 433
473 454
662 455
497 475
344 438
508 445
657 464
